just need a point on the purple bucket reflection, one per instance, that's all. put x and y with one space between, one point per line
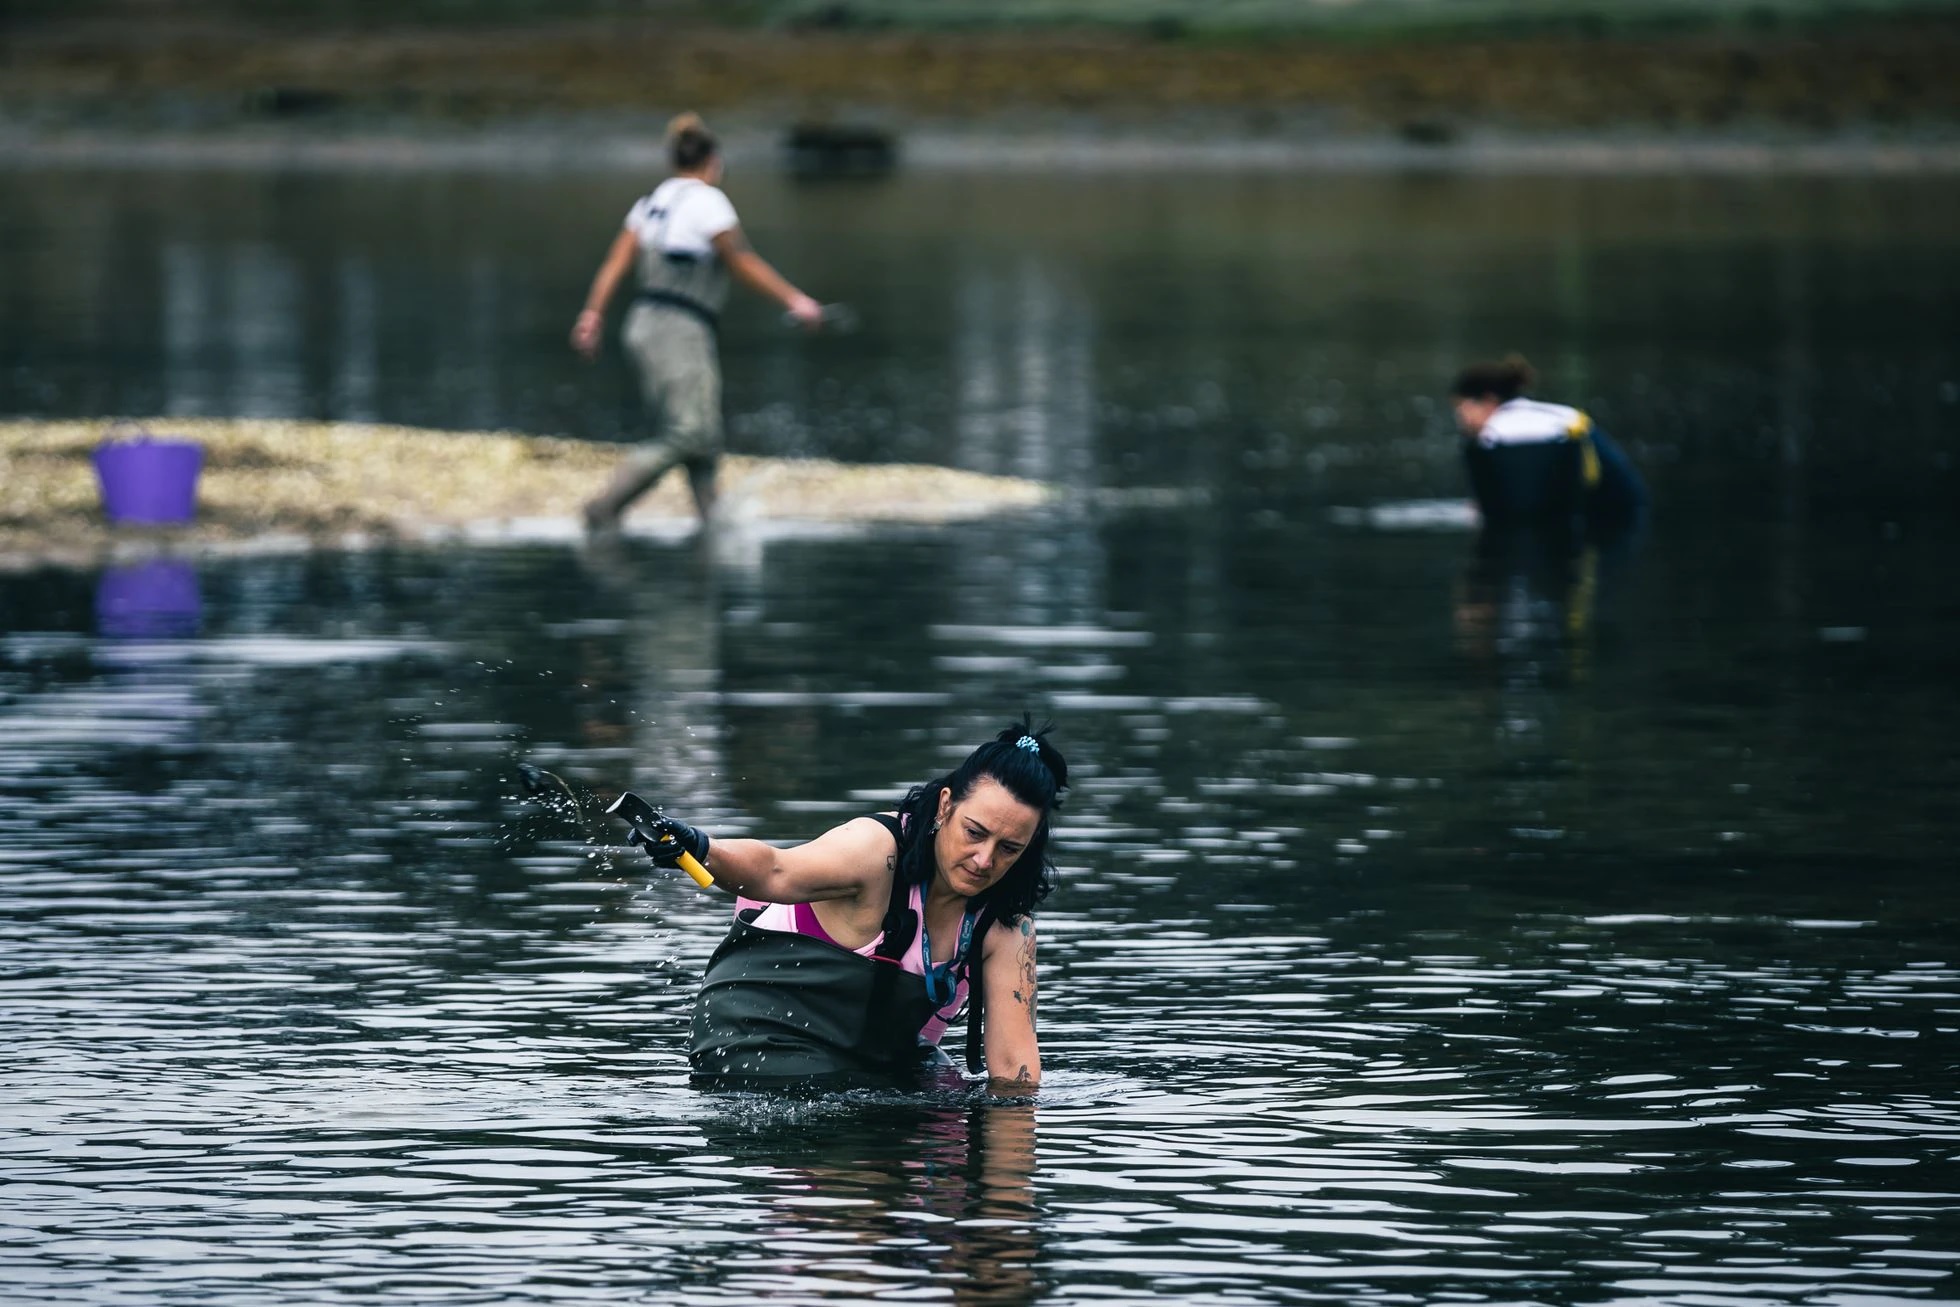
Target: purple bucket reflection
153 600
149 481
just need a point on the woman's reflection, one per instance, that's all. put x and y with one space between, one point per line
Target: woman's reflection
646 683
902 1195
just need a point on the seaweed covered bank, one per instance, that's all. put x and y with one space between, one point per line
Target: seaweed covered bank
273 484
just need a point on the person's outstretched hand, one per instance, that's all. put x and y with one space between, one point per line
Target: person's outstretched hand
805 311
666 838
588 331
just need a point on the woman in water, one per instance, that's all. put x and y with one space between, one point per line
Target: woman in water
849 954
1537 464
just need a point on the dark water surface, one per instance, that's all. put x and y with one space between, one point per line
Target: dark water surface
1433 929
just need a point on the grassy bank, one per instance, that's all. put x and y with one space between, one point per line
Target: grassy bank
1350 19
1161 19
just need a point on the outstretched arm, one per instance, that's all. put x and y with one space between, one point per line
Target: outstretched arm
1007 971
753 271
590 327
838 864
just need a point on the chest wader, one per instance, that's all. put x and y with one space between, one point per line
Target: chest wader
777 1008
1581 484
1540 483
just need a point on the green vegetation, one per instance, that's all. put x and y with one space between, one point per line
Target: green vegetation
1430 70
1164 19
1172 19
369 14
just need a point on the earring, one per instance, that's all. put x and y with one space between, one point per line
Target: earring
935 828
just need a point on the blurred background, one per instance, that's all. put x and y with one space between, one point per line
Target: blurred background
1544 925
1431 70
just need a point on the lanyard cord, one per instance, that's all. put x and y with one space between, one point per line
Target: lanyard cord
925 949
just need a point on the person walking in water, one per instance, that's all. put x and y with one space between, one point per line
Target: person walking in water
686 242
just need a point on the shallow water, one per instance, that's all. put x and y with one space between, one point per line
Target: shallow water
1432 928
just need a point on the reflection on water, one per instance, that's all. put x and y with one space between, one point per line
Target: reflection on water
1429 926
1270 337
157 597
841 1200
1438 920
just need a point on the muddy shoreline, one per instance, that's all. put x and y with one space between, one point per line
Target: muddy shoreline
275 485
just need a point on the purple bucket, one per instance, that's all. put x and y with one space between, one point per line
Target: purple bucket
149 481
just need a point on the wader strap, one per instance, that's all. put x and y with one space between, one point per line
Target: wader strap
900 923
899 926
686 304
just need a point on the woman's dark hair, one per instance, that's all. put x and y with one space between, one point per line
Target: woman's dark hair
689 143
1504 380
1035 775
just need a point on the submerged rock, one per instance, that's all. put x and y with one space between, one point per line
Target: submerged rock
817 150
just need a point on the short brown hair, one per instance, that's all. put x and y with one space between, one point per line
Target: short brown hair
1503 380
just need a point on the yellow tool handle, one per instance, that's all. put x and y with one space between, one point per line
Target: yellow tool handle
695 871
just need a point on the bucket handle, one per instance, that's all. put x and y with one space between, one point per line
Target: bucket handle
115 434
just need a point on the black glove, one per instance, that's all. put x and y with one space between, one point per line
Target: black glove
664 838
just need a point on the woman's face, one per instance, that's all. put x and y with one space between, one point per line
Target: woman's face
981 837
1471 414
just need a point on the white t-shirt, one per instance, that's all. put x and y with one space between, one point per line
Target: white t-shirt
1531 421
682 216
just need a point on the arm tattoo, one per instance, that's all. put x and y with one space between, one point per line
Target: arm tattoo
1025 994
